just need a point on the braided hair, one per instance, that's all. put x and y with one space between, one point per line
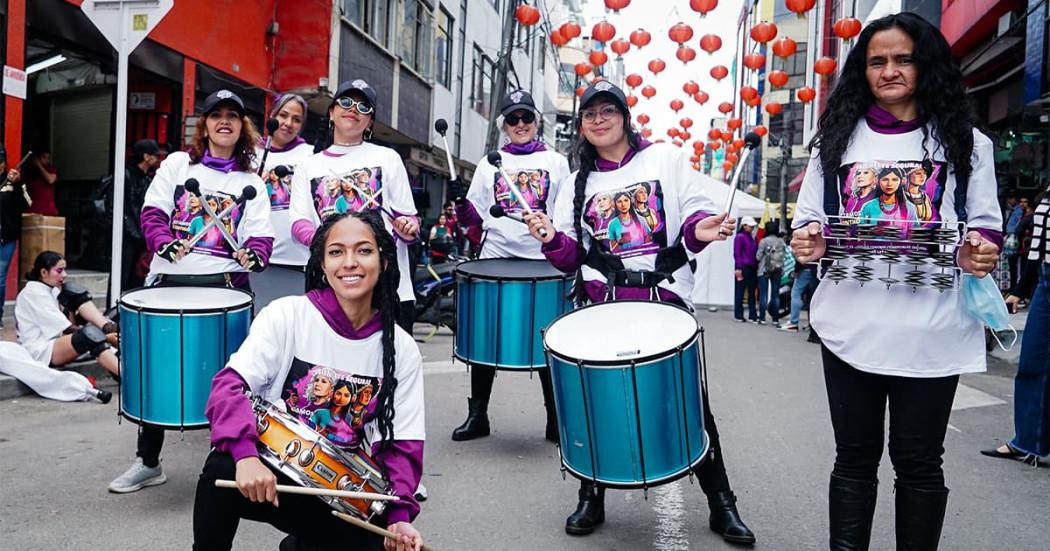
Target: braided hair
384 299
587 159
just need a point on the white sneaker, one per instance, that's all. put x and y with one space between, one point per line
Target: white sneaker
421 492
137 477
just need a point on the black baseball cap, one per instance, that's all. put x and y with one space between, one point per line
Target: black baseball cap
518 99
357 85
143 147
223 97
604 88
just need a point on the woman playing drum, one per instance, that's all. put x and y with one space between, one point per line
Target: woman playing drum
344 328
220 161
538 173
614 159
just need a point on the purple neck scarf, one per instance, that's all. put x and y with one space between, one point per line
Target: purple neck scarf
605 165
288 146
534 146
883 122
326 303
215 163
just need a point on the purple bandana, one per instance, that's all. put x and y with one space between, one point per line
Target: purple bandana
288 146
534 146
883 122
326 303
605 165
215 163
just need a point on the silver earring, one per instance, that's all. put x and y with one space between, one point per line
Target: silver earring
324 278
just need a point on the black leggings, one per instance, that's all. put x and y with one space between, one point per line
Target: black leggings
218 511
919 410
481 378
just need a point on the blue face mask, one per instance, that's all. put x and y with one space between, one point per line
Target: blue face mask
985 303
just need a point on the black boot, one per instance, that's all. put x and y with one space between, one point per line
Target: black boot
851 507
590 511
919 517
477 423
551 432
726 521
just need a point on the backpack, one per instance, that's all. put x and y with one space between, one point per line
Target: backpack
773 260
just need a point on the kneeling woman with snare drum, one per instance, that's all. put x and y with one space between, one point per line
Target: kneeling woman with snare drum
215 174
613 159
337 350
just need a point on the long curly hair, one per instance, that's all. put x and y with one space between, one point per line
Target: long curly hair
384 299
939 93
243 150
587 159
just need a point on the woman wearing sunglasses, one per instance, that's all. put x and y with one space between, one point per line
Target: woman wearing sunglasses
386 189
537 173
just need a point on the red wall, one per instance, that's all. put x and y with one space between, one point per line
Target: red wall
302 43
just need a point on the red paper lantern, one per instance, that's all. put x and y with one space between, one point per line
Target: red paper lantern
657 65
677 105
734 124
727 166
737 144
710 43
727 136
703 6
806 94
603 31
760 130
691 87
672 132
680 33
754 61
579 91
714 146
677 142
684 134
598 58
643 119
647 132
634 80
620 46
774 108
640 38
685 54
725 107
732 157
718 72
701 97
753 102
527 15
714 134
632 101
694 159
686 122
784 47
824 66
778 78
748 93
617 5
698 145
557 38
570 30
649 92
763 32
847 27
582 69
800 7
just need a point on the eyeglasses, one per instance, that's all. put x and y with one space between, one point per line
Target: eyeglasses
528 118
359 106
607 112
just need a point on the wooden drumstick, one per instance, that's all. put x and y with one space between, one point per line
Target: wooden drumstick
302 490
371 527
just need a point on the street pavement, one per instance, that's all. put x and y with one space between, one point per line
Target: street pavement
507 492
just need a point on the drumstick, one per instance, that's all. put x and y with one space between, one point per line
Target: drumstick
496 160
247 194
302 490
194 187
25 192
441 125
371 527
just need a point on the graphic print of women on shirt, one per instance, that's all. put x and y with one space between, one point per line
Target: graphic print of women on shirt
629 221
335 403
902 194
533 185
190 218
279 190
358 190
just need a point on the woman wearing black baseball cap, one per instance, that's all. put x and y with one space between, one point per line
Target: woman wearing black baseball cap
615 161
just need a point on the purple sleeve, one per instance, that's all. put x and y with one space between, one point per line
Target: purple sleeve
994 236
156 228
693 244
263 246
561 252
230 413
303 231
404 464
738 251
398 236
468 215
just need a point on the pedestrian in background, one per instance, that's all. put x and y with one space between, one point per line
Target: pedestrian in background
745 251
12 204
41 185
770 258
139 174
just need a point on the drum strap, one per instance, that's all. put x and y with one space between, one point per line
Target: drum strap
668 260
207 280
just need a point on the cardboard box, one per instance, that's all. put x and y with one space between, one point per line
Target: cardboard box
39 233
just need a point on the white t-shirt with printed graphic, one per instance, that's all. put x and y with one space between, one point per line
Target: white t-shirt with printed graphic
286 250
900 331
293 358
327 182
635 210
210 255
542 174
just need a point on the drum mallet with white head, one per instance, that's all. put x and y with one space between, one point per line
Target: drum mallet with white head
271 126
496 160
441 126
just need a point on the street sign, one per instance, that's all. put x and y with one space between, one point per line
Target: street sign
125 24
14 83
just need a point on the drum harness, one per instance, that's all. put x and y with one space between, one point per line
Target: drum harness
668 260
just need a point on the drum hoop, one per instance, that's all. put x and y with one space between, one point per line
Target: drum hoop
704 454
188 312
460 273
625 362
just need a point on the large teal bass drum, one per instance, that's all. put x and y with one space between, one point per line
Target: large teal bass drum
627 388
502 307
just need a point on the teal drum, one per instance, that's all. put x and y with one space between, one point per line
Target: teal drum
627 382
174 340
502 306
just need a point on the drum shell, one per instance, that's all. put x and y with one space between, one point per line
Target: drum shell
500 321
169 359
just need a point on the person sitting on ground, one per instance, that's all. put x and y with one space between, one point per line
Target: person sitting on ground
65 386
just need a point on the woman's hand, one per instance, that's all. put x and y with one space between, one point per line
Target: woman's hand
406 227
1012 303
173 251
978 256
536 221
808 243
248 259
715 228
255 481
408 538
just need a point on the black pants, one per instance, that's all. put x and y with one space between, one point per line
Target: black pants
218 511
406 316
481 378
919 411
747 286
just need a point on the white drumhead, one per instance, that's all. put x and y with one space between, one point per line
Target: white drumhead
620 331
186 298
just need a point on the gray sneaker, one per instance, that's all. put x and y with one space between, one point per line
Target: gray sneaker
137 477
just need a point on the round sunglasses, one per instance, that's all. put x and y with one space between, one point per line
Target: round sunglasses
350 103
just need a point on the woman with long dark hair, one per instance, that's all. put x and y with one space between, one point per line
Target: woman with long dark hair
900 101
345 324
614 158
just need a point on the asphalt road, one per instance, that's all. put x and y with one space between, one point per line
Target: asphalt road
506 491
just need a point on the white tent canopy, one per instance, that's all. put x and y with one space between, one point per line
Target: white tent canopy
714 270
